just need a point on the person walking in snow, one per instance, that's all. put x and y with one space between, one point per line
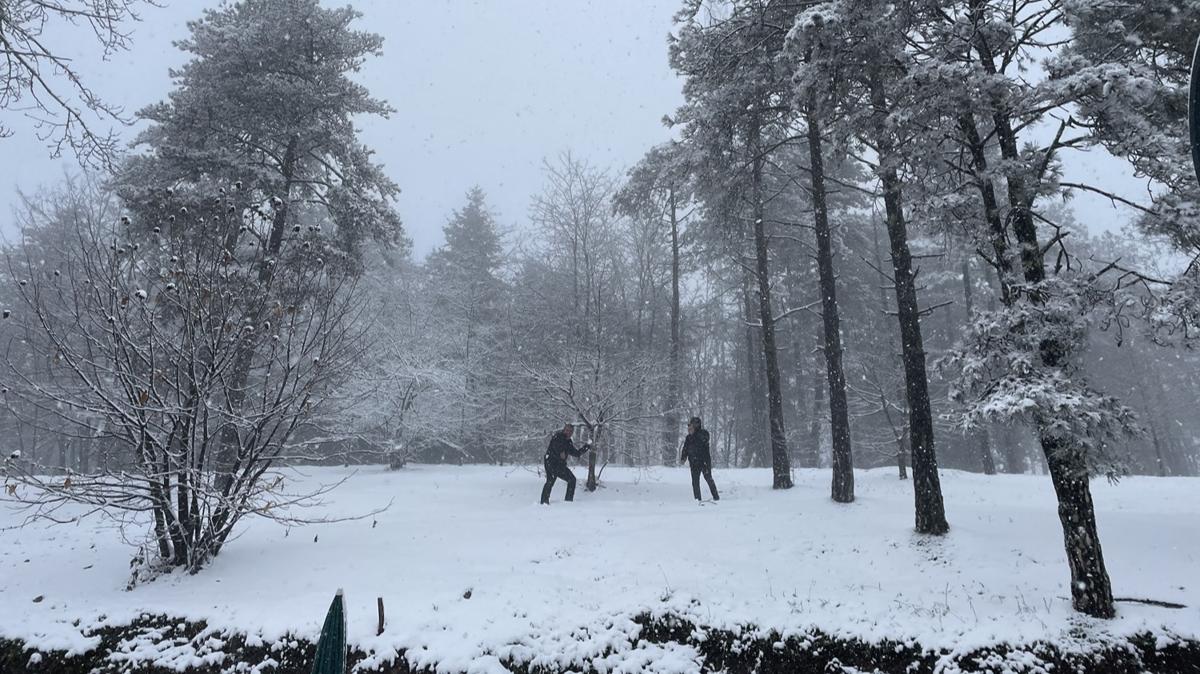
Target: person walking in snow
696 453
556 462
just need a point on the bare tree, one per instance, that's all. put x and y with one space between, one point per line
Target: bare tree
38 79
575 210
142 334
603 397
406 388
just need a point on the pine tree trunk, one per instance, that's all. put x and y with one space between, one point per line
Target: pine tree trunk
819 385
235 392
1091 590
927 489
902 436
842 489
754 440
979 438
997 236
671 431
800 397
781 471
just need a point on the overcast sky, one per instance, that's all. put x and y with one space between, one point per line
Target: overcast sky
484 90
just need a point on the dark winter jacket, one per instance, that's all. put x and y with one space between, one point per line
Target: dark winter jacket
695 449
560 448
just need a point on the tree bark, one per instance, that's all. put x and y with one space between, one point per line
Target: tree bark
814 428
899 432
755 425
671 430
1091 590
781 471
227 454
997 235
927 489
980 437
591 483
842 488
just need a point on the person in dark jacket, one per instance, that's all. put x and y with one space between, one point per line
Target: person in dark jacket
696 453
556 462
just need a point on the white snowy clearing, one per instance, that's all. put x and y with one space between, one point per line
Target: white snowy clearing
559 584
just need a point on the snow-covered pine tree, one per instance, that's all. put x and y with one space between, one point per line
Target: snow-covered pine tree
736 113
1127 68
862 44
267 103
811 101
1023 361
464 280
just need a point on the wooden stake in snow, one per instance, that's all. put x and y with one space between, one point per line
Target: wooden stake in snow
379 606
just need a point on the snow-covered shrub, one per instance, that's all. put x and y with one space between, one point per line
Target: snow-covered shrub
176 338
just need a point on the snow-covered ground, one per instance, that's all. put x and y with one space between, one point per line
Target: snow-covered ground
561 582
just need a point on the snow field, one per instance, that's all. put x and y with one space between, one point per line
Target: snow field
560 584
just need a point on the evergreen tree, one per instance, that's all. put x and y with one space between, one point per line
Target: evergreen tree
863 45
266 106
267 101
812 103
464 281
1024 361
1127 67
733 118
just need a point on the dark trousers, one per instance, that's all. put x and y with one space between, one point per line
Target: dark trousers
558 471
705 470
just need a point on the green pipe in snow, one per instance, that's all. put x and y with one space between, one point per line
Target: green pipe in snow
331 647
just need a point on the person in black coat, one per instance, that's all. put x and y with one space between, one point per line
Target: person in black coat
696 453
556 462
